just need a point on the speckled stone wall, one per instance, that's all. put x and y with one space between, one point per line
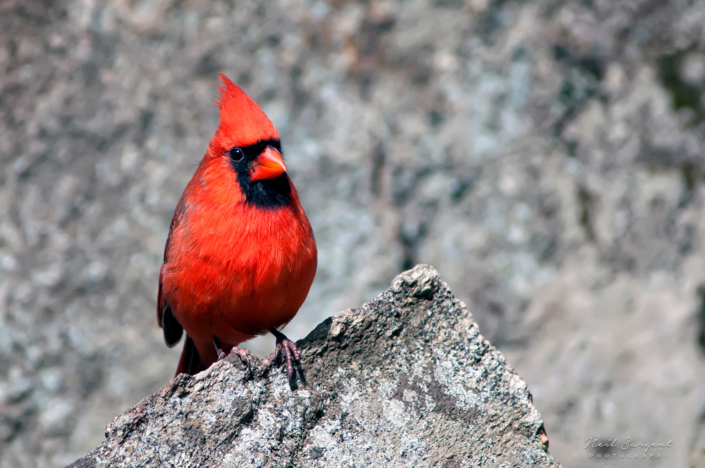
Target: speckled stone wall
546 157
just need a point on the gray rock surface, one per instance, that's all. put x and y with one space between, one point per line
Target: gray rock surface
547 157
405 380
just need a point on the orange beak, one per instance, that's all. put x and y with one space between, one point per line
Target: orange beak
268 165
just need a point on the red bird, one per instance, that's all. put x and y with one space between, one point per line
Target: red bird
240 257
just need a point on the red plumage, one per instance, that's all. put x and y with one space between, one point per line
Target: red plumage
241 256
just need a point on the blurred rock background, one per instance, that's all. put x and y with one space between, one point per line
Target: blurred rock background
547 157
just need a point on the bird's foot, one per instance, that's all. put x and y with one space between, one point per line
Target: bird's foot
291 354
244 355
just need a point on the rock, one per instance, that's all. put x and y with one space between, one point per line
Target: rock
405 380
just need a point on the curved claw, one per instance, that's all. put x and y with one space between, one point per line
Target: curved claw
291 353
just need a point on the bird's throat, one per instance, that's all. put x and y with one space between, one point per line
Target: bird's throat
268 194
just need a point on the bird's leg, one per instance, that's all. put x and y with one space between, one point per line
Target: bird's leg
290 352
218 349
243 354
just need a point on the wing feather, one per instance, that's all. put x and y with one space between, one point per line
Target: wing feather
165 317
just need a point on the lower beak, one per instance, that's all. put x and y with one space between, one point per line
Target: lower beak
267 165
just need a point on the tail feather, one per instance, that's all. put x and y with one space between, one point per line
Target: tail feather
190 362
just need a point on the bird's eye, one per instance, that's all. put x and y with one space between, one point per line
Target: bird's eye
236 154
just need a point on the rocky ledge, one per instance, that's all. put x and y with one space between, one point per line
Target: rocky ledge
405 380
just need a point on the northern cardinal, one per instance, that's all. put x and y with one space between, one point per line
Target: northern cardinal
240 257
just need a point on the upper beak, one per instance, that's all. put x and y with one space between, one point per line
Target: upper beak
268 165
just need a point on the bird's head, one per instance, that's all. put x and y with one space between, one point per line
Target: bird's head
247 140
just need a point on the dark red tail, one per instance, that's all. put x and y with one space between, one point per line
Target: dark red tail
190 362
